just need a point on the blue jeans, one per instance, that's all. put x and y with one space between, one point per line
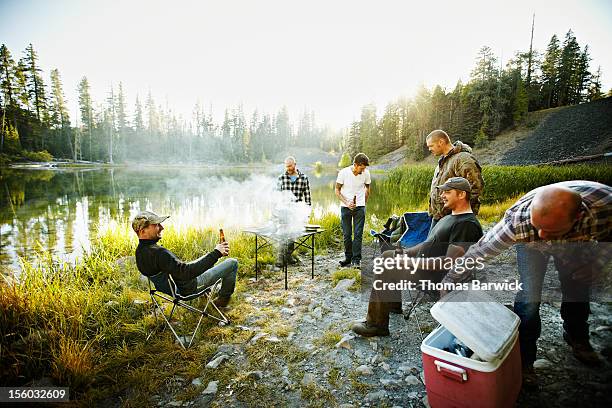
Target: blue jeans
225 270
574 307
352 230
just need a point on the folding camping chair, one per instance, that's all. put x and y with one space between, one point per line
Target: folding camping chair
177 300
412 229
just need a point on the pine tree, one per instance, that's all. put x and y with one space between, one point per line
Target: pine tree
86 109
138 117
550 73
59 117
36 87
7 76
567 65
595 86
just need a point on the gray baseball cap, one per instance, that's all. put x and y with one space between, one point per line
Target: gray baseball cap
145 218
456 183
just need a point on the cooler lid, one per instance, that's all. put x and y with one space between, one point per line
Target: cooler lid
481 323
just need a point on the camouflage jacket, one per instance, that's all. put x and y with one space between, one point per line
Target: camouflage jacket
459 162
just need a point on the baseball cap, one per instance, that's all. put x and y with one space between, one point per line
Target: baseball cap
146 218
456 183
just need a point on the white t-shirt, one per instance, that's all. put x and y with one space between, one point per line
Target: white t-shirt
353 185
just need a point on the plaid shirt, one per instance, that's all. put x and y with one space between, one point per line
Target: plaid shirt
515 227
300 187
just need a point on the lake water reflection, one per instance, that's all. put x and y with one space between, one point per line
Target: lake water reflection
59 210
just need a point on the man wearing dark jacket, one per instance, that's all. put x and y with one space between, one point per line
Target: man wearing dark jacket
157 263
456 160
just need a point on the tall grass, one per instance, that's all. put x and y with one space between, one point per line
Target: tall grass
501 182
85 325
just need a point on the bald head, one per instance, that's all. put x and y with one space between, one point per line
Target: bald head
554 210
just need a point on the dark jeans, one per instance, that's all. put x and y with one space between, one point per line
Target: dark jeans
352 230
382 302
574 307
226 271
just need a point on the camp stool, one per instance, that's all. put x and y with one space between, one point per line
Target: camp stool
177 300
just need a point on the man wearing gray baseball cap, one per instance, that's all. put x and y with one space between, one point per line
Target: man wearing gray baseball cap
157 262
449 238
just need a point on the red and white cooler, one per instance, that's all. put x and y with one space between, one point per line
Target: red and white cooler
490 330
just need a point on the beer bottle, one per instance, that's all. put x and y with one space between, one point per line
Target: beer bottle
221 236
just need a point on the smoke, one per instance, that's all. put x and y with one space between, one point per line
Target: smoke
222 202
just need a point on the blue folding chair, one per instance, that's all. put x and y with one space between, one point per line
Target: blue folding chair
415 226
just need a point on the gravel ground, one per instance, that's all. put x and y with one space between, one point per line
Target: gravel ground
385 371
574 131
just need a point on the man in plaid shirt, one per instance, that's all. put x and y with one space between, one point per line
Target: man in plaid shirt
552 221
295 181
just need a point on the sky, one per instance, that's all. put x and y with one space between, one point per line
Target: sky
329 56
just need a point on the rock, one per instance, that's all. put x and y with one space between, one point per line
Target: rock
385 367
317 313
224 349
603 328
111 303
290 336
308 379
286 310
255 375
542 364
374 345
139 301
364 370
346 406
412 380
344 284
376 396
390 383
217 361
257 337
175 403
344 342
375 359
291 302
413 395
197 382
273 339
211 388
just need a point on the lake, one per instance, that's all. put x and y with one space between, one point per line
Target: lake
60 210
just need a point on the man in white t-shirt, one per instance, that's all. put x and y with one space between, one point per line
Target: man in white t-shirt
353 191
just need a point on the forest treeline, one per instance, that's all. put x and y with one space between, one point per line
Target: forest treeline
493 99
35 119
36 123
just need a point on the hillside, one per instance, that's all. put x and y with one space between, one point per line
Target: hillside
547 135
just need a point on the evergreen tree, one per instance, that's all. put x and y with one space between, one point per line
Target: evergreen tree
550 73
86 109
568 63
35 85
7 76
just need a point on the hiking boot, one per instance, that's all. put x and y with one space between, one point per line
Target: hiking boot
346 262
357 264
530 379
367 330
221 301
582 350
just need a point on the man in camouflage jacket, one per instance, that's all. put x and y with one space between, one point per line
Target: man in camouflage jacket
456 160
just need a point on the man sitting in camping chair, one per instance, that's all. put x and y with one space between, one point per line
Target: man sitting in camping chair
159 264
449 238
